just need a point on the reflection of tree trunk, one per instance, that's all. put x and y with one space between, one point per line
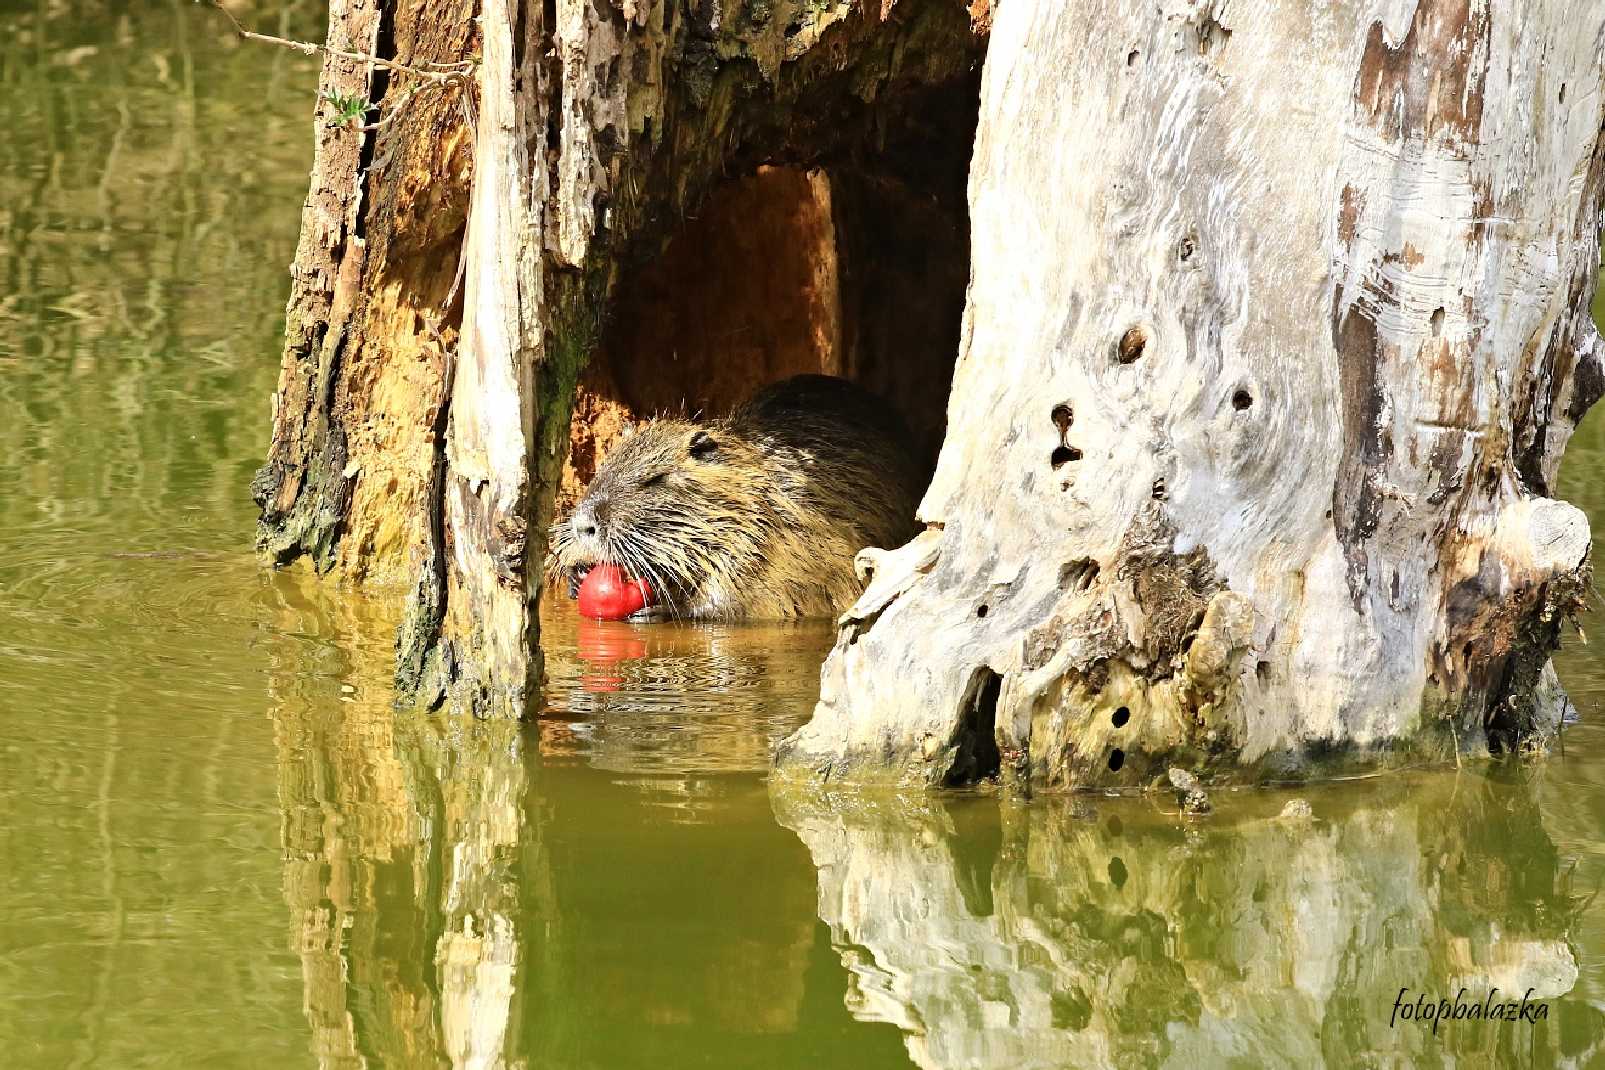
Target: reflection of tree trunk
1282 941
1277 328
480 771
406 847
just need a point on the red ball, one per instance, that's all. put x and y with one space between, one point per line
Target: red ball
608 593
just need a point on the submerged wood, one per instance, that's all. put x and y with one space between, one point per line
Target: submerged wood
1278 325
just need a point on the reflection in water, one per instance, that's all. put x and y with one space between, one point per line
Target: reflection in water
601 646
675 697
1052 935
142 259
453 904
412 869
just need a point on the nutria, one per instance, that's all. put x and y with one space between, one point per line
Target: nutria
755 515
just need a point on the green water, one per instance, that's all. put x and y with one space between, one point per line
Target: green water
220 847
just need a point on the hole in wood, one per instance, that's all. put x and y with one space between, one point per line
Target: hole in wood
1562 92
1437 320
1159 491
1117 872
1117 758
1131 345
981 612
846 271
1063 417
1063 455
1120 717
1078 575
975 744
1188 247
1242 399
1133 56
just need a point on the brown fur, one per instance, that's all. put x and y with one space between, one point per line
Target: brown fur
756 515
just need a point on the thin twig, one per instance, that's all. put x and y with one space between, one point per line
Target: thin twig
396 108
445 74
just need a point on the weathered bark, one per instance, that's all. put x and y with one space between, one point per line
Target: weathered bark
1277 327
350 465
475 610
596 135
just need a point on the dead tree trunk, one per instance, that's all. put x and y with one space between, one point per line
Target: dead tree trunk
1278 325
421 426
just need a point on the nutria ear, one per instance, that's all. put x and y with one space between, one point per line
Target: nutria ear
702 445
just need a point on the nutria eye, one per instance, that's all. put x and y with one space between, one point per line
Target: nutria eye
654 480
702 445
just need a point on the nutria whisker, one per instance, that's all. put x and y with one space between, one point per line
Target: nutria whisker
638 564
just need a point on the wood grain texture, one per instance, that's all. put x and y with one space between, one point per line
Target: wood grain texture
302 490
1278 325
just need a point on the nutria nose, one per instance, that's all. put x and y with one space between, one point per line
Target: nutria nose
589 518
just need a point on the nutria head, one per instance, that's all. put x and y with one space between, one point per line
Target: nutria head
679 504
755 515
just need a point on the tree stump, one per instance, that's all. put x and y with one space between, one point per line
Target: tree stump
460 259
1276 329
1278 325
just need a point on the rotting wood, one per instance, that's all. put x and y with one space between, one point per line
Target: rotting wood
484 652
641 109
302 489
371 317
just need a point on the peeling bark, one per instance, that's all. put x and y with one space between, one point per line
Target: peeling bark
302 489
1277 327
483 655
367 328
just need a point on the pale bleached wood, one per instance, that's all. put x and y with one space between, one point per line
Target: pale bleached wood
1311 525
485 656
